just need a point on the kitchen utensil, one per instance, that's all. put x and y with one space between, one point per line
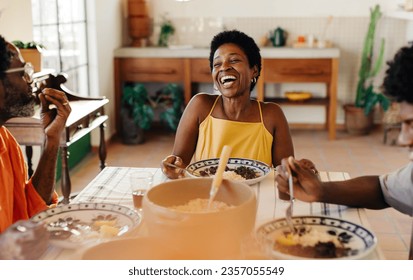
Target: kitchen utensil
216 182
191 173
279 37
289 211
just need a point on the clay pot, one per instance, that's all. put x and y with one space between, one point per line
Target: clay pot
356 122
137 8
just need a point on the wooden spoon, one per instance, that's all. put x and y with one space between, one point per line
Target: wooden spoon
217 180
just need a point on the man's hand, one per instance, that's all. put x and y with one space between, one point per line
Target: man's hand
55 110
307 186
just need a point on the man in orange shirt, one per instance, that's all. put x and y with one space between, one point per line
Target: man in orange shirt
20 197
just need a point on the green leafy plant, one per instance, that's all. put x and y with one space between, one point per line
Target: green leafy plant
167 29
172 100
135 98
366 96
28 45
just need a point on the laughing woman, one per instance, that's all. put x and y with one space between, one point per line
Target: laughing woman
254 130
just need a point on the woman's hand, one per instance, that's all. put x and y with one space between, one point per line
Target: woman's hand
171 172
24 240
307 185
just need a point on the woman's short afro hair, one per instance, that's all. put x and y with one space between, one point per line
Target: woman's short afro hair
242 40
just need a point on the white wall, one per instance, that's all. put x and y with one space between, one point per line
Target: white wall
108 25
268 8
16 20
105 36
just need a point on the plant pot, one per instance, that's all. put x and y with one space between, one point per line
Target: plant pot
34 56
356 122
131 133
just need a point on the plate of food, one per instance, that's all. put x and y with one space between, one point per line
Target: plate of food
74 224
237 169
317 237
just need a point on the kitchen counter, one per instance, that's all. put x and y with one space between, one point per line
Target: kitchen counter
188 52
190 67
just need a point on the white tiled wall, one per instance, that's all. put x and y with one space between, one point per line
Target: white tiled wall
346 33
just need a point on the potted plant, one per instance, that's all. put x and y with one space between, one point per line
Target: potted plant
359 116
31 52
167 29
136 113
171 99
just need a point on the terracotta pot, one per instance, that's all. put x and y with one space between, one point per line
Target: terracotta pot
206 234
33 56
137 8
139 28
356 122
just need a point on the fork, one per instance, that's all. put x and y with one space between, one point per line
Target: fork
193 173
289 211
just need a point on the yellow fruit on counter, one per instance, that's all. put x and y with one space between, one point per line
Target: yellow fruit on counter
298 95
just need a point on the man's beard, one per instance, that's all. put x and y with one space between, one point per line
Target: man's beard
17 104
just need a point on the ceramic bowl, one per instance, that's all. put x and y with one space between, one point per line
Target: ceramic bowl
206 234
358 241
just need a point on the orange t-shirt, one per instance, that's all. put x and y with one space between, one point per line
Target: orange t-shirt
18 198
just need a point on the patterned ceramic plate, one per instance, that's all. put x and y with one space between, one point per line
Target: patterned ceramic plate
74 224
205 168
357 242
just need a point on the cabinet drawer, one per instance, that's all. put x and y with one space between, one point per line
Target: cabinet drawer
297 70
152 69
200 71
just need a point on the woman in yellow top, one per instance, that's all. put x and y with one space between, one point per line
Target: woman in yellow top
254 130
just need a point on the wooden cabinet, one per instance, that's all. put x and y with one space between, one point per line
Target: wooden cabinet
192 70
323 70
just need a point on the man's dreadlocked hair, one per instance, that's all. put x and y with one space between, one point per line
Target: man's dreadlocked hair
4 57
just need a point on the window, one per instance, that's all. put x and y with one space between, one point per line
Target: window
60 25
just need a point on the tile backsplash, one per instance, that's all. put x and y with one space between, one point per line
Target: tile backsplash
345 33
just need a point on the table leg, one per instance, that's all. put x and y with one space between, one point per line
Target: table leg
65 179
29 155
102 146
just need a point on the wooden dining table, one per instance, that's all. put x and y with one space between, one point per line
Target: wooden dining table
112 186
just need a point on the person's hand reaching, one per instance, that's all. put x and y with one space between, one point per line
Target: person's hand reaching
307 185
171 172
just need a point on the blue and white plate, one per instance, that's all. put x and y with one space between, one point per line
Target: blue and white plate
261 169
74 224
360 241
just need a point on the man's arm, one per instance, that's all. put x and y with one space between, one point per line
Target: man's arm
55 110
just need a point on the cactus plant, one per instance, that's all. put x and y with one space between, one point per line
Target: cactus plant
366 97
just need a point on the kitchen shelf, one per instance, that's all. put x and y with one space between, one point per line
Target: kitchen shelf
190 67
314 101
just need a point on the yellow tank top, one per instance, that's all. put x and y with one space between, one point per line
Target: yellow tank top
248 140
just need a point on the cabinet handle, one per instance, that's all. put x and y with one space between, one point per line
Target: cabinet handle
301 71
165 71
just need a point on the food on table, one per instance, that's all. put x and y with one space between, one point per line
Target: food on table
308 242
73 229
199 205
244 172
